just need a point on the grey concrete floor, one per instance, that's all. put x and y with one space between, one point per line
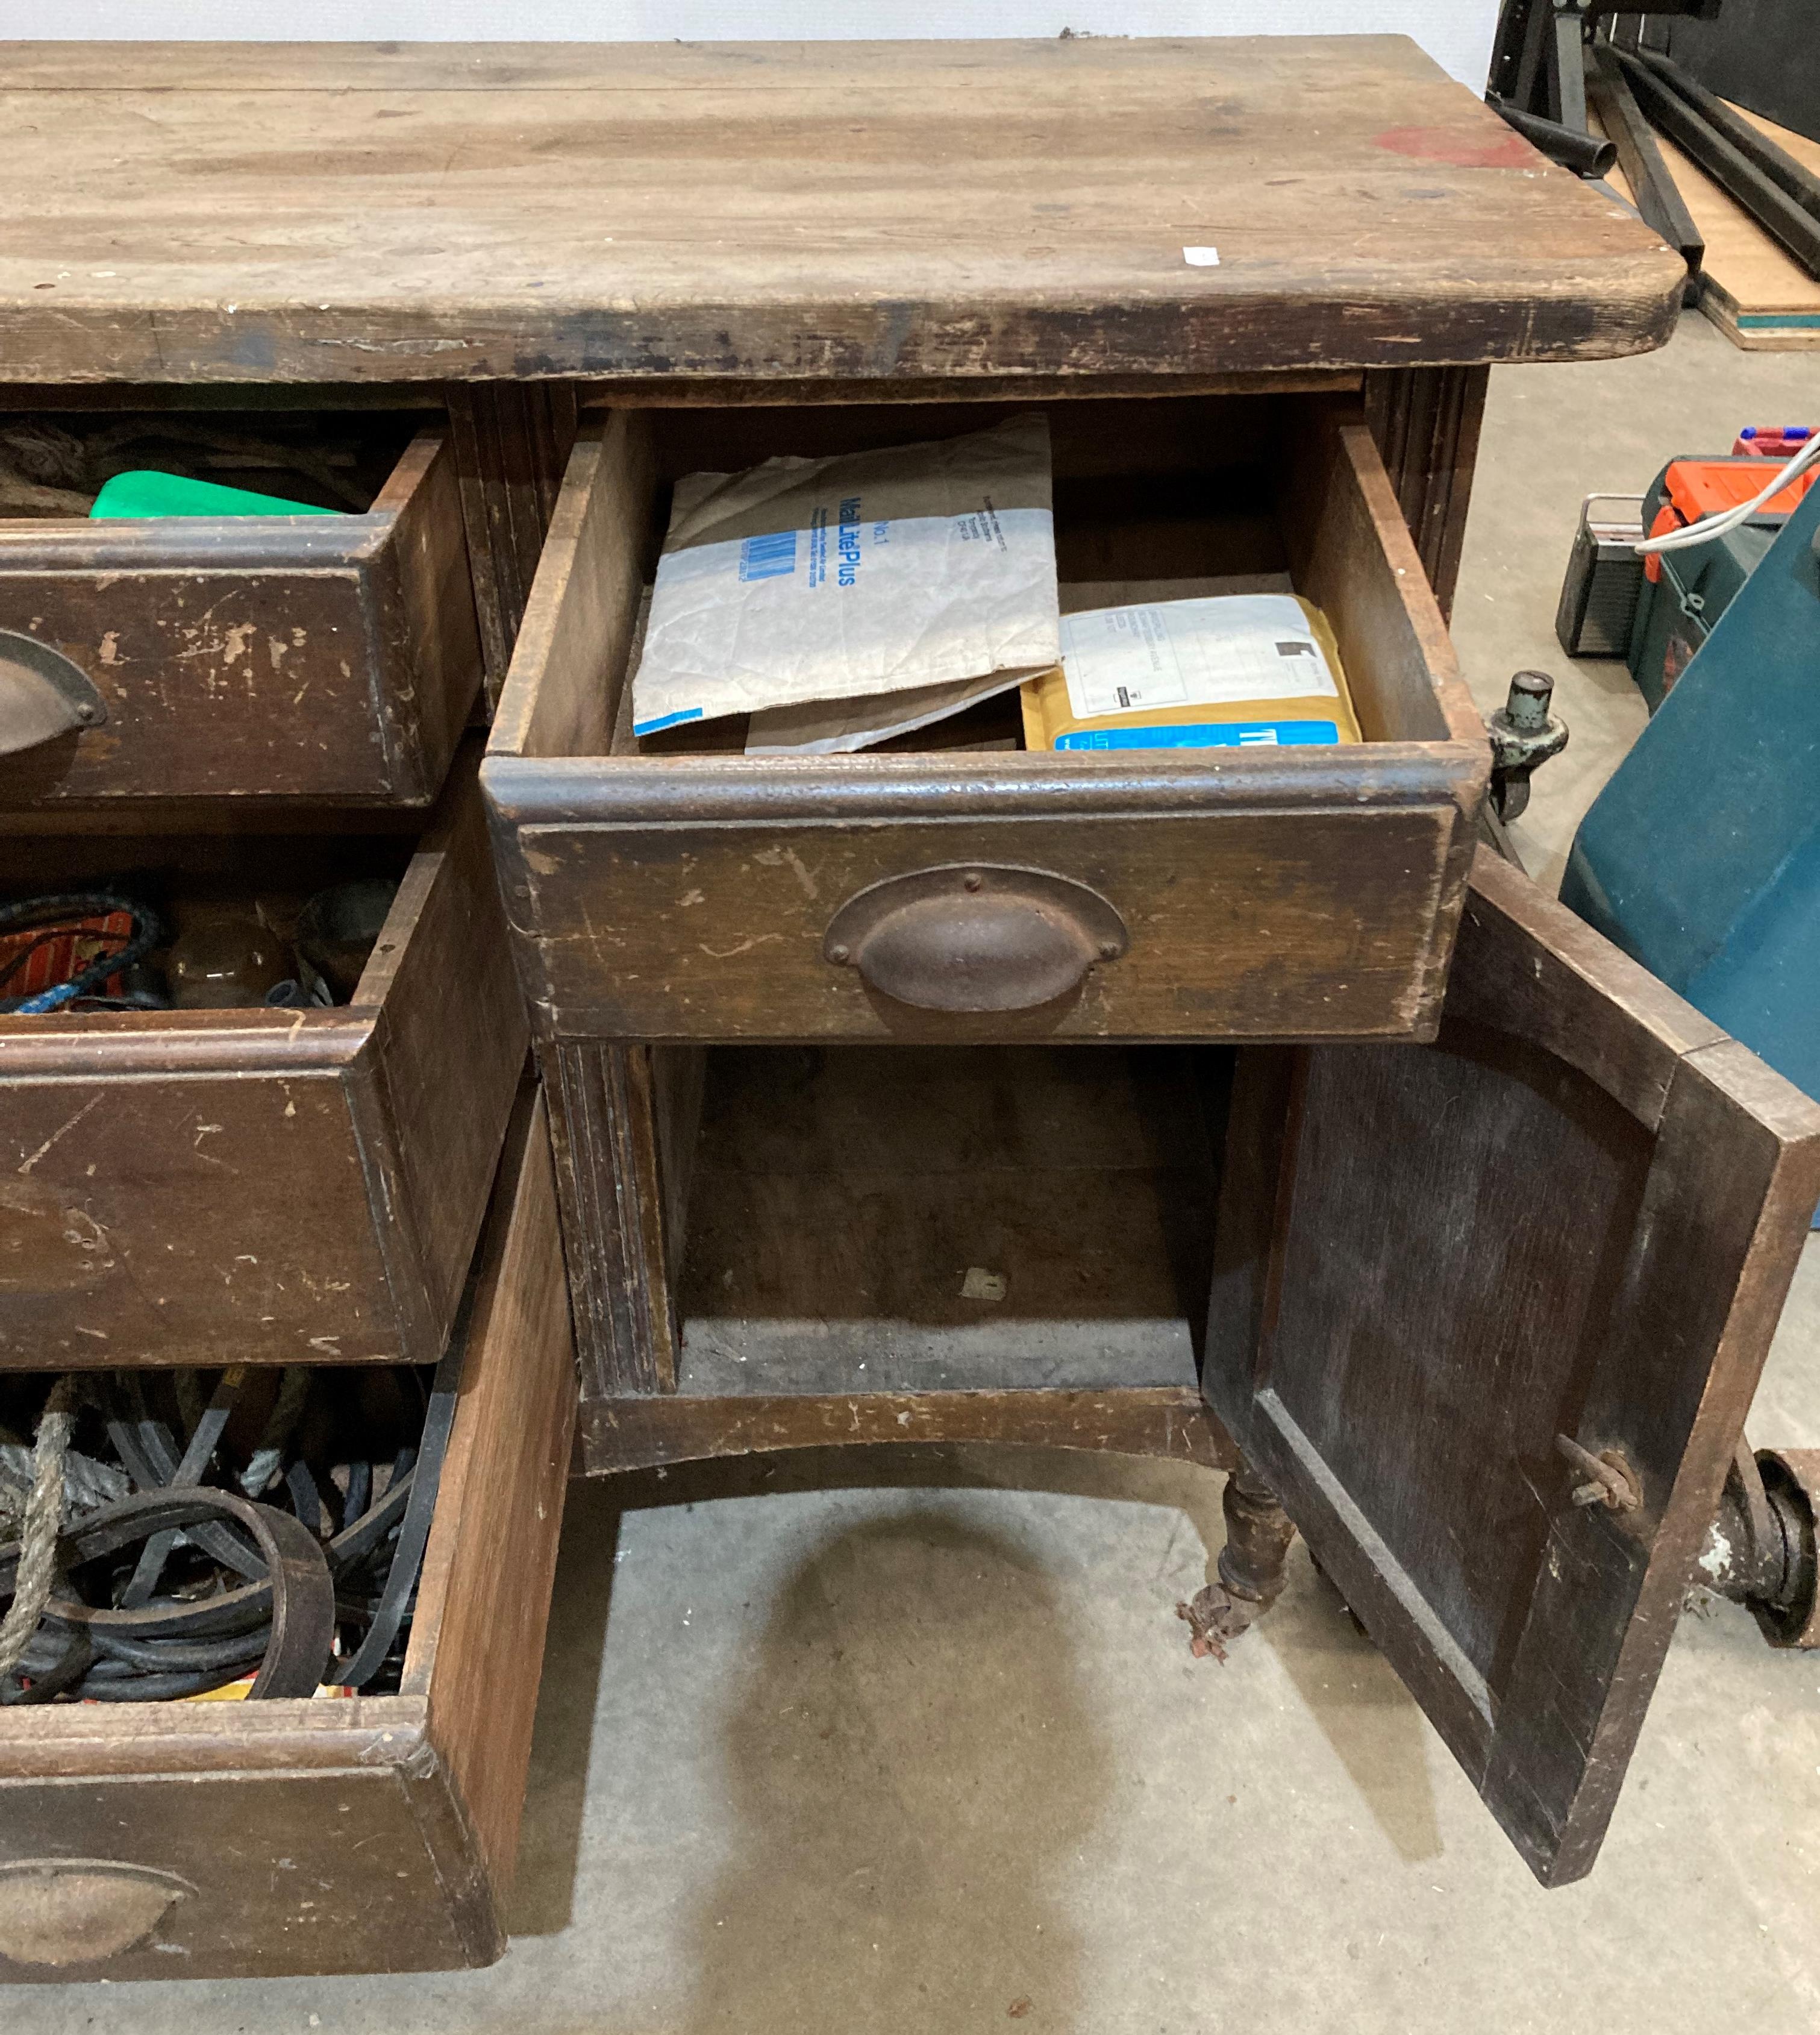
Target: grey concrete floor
915 1744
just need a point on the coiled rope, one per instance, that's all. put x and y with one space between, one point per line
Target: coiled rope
43 1522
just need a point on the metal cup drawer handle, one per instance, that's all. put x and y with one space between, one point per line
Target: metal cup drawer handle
79 1911
43 694
974 937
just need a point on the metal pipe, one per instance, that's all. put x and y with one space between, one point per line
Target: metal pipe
1739 177
1752 142
1585 155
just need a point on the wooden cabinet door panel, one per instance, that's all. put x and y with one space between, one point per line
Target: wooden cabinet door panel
1570 1223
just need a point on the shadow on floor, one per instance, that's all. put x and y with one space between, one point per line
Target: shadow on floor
911 1755
1367 1715
556 1788
542 1901
910 1763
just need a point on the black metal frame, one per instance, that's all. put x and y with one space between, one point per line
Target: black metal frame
1782 196
1658 198
1540 82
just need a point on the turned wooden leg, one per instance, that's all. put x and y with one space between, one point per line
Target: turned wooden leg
1251 1566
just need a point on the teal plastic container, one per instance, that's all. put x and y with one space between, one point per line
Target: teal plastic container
146 493
1701 856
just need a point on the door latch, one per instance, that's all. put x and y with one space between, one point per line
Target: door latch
1608 1479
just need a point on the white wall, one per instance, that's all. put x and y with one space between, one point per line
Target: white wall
1456 33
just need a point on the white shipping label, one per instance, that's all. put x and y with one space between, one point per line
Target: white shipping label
1218 652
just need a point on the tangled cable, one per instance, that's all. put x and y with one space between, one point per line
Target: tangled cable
188 1584
56 916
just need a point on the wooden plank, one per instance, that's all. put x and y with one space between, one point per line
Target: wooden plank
1566 991
621 1434
648 392
511 446
190 1860
1750 286
678 1084
569 660
483 1598
1355 558
497 604
1426 421
604 1128
1724 1218
1272 916
664 209
430 594
625 1122
121 1149
448 1050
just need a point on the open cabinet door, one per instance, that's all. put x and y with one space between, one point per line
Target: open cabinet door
1576 1215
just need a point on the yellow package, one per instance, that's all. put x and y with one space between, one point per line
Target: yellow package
1234 671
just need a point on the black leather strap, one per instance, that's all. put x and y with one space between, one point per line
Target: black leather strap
298 1591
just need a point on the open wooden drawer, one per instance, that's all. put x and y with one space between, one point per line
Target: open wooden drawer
659 891
193 1840
260 659
264 1186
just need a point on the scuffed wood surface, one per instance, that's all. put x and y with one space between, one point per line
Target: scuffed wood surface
267 1186
307 659
483 1597
1158 1420
273 212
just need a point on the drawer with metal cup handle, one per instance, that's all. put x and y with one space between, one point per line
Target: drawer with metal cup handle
260 1174
283 1834
306 633
680 886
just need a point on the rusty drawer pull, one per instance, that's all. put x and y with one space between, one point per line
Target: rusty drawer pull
974 937
43 694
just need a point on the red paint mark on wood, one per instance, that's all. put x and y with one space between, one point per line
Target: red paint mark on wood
1473 148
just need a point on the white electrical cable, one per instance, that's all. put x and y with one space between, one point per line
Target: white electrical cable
1716 524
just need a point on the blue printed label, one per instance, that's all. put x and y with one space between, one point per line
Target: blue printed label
1205 734
666 720
770 557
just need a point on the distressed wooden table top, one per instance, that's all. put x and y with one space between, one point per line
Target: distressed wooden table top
261 212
